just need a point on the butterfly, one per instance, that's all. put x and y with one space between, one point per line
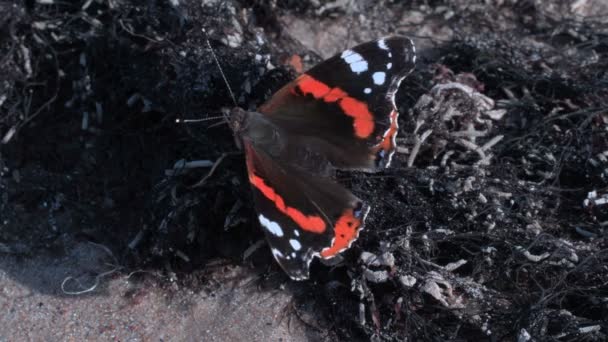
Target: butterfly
339 115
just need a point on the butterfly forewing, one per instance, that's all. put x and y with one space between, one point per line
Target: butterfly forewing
348 102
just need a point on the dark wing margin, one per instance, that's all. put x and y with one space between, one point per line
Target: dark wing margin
348 101
303 216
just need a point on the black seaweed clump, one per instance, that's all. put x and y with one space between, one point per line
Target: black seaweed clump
491 222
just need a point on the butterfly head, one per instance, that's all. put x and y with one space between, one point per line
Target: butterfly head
237 120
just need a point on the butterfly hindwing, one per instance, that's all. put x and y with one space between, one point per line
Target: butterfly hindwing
345 105
302 215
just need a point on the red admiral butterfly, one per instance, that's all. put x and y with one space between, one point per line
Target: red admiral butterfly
340 114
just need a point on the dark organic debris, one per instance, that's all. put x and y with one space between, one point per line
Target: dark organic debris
490 224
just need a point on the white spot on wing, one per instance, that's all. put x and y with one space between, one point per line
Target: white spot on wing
296 232
413 51
359 67
295 244
379 77
271 226
382 44
367 90
355 61
346 53
389 66
277 254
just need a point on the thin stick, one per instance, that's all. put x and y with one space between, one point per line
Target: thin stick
210 173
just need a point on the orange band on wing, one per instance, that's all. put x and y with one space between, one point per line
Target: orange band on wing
346 231
358 110
387 142
309 85
311 223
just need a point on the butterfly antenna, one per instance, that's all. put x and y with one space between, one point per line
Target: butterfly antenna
217 62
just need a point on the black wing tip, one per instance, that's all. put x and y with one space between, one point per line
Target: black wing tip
407 41
400 44
297 267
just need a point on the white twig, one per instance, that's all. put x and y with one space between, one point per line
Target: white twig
492 142
416 148
471 146
91 288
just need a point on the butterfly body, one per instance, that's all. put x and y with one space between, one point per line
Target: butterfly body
339 115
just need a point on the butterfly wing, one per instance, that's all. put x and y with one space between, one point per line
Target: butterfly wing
344 108
302 215
339 114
